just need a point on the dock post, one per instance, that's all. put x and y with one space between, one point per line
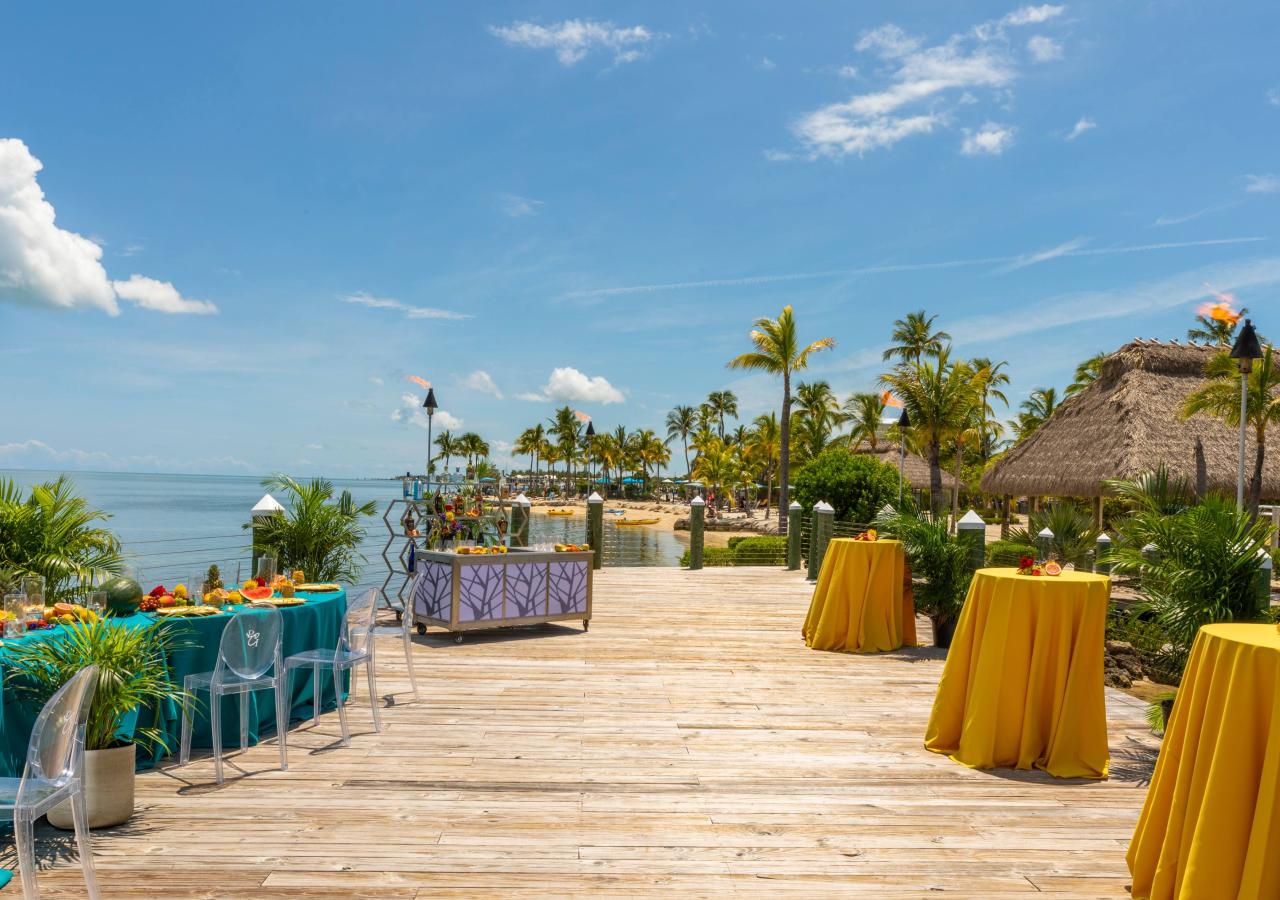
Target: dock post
697 517
1102 555
595 528
1265 569
520 521
1044 543
972 527
794 513
820 530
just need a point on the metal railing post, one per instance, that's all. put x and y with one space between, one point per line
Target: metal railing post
974 529
1101 557
595 529
794 513
823 520
697 514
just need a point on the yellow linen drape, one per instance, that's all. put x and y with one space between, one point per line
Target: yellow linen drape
858 603
1022 685
1210 826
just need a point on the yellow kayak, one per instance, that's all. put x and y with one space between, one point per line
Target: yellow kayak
559 512
636 522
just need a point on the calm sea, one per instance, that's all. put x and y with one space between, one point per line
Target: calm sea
174 526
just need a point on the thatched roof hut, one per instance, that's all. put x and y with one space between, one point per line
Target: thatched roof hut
914 468
1125 424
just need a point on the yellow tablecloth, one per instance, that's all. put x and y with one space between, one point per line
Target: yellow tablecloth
1211 823
858 603
1022 685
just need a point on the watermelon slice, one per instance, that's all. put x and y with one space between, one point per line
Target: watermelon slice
252 594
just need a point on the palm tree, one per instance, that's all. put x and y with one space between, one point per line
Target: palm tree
779 352
993 378
448 446
864 411
531 441
915 338
969 428
738 437
1086 374
474 447
722 403
1220 397
719 466
315 534
649 451
816 415
1035 411
53 533
938 396
681 422
762 449
1210 329
566 428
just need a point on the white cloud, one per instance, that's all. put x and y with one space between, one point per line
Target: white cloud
132 250
847 71
1083 124
1187 217
1044 49
778 156
568 385
360 298
573 39
1066 248
515 207
1273 96
1262 184
40 263
36 454
766 64
991 139
481 381
374 379
411 412
160 296
315 446
1033 15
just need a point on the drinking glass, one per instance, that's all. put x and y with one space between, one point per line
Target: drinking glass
266 568
15 620
195 590
33 587
96 602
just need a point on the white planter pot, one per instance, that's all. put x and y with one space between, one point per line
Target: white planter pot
108 785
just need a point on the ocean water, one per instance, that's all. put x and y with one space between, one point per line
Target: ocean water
174 526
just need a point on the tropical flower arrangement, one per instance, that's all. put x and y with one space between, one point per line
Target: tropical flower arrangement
1027 565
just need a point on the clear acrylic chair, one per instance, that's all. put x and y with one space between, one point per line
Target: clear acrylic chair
406 625
248 660
54 774
354 648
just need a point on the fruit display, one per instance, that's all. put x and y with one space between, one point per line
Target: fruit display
868 535
573 548
1052 568
1027 566
69 614
256 593
123 595
481 551
186 612
149 604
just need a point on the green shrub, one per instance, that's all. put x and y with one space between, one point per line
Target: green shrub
735 541
1074 534
856 484
711 556
941 559
1006 553
759 551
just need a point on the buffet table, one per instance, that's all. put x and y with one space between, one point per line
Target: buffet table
1022 685
314 624
1210 826
464 592
858 603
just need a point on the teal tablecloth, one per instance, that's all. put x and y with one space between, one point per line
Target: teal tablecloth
316 624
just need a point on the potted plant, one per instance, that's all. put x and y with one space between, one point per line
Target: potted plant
942 560
133 676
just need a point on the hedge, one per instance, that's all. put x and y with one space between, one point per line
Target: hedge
1007 553
766 550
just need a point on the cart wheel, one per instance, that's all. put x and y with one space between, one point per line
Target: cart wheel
457 639
586 625
422 629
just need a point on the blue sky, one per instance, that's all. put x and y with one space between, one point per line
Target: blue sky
267 215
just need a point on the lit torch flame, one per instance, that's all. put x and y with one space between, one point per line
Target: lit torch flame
582 417
887 399
1223 310
419 381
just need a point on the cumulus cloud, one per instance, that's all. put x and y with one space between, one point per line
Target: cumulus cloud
991 139
516 207
1262 184
482 381
926 85
360 298
573 39
160 296
1043 49
35 453
44 265
1083 124
410 412
568 385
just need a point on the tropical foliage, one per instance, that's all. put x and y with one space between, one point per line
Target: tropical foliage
315 533
133 674
54 533
939 563
1074 533
858 486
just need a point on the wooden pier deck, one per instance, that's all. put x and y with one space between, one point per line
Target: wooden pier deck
688 745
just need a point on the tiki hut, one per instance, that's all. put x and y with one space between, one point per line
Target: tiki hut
914 468
1124 425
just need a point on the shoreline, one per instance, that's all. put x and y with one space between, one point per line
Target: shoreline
665 513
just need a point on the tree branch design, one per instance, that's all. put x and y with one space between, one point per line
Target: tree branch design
433 590
568 587
480 595
526 589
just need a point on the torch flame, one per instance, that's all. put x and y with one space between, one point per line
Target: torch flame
582 417
1222 310
419 381
887 399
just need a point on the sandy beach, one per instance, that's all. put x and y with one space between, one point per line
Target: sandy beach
665 513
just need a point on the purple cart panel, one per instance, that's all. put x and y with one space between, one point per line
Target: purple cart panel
526 590
433 590
480 593
568 588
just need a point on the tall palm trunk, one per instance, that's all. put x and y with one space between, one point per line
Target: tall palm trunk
784 453
687 470
936 499
1255 487
955 491
768 493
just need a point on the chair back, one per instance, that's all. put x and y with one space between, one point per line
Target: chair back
250 642
56 750
357 627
